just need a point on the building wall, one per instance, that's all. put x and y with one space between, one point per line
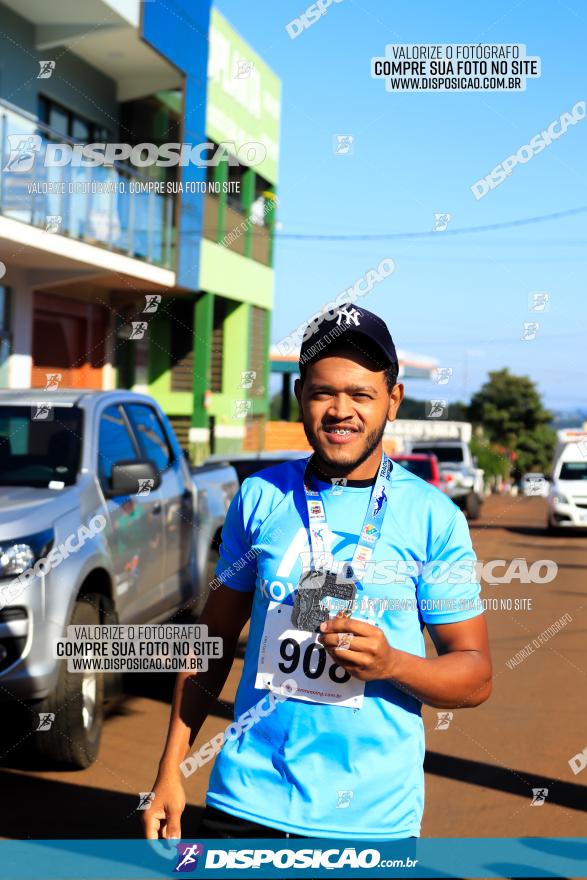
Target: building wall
79 86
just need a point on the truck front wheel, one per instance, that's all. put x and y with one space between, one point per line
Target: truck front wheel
72 738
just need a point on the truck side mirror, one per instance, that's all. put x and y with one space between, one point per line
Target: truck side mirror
134 477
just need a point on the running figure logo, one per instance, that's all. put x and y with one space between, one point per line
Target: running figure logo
187 854
380 497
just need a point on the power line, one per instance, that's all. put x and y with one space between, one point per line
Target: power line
387 236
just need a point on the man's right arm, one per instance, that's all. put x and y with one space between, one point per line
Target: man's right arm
225 614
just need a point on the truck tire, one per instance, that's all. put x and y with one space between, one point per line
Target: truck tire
472 506
73 740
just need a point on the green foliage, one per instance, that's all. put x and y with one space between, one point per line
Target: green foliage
510 410
490 457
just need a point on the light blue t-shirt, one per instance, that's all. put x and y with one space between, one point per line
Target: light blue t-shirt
328 770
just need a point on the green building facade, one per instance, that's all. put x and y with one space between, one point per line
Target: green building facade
207 356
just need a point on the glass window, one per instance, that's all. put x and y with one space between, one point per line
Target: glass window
39 444
80 130
150 434
444 454
420 467
58 120
573 470
114 444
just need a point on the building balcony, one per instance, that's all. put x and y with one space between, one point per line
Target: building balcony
98 205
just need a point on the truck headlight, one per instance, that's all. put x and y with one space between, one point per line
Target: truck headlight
17 557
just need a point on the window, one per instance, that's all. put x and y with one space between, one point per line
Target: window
114 444
257 359
4 335
444 454
70 124
150 435
573 470
217 353
181 316
235 185
39 445
420 467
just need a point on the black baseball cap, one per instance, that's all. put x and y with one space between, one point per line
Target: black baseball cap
354 325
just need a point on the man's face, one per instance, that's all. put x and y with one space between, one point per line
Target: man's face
345 405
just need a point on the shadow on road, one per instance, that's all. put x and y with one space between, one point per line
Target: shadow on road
565 794
46 809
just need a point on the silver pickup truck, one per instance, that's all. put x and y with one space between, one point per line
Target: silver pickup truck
462 479
102 520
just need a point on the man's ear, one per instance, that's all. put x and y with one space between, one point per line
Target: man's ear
298 391
396 395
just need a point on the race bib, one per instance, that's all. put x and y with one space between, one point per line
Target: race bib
290 653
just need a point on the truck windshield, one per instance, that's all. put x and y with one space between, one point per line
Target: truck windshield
443 453
39 445
573 470
421 467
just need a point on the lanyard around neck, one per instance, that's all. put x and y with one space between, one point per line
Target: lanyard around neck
371 529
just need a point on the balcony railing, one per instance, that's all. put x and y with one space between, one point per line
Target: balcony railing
90 204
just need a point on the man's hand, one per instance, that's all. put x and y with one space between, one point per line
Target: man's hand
367 655
163 818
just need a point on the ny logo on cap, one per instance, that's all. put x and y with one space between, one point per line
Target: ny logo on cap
351 315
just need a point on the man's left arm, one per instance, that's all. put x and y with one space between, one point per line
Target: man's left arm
458 677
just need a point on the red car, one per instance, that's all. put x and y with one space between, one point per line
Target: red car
423 466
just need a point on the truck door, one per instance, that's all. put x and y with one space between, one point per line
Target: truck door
176 498
137 525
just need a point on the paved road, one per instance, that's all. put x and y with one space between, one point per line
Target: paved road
480 771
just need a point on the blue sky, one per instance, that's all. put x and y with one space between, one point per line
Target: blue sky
463 298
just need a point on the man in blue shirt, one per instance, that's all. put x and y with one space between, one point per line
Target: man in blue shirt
339 561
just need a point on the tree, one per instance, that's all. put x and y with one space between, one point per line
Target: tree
510 410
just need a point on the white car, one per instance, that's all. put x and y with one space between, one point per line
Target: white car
567 499
534 484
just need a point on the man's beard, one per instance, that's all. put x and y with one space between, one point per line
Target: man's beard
340 469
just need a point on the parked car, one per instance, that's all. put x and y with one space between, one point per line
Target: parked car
534 484
423 466
567 499
71 459
462 479
248 463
